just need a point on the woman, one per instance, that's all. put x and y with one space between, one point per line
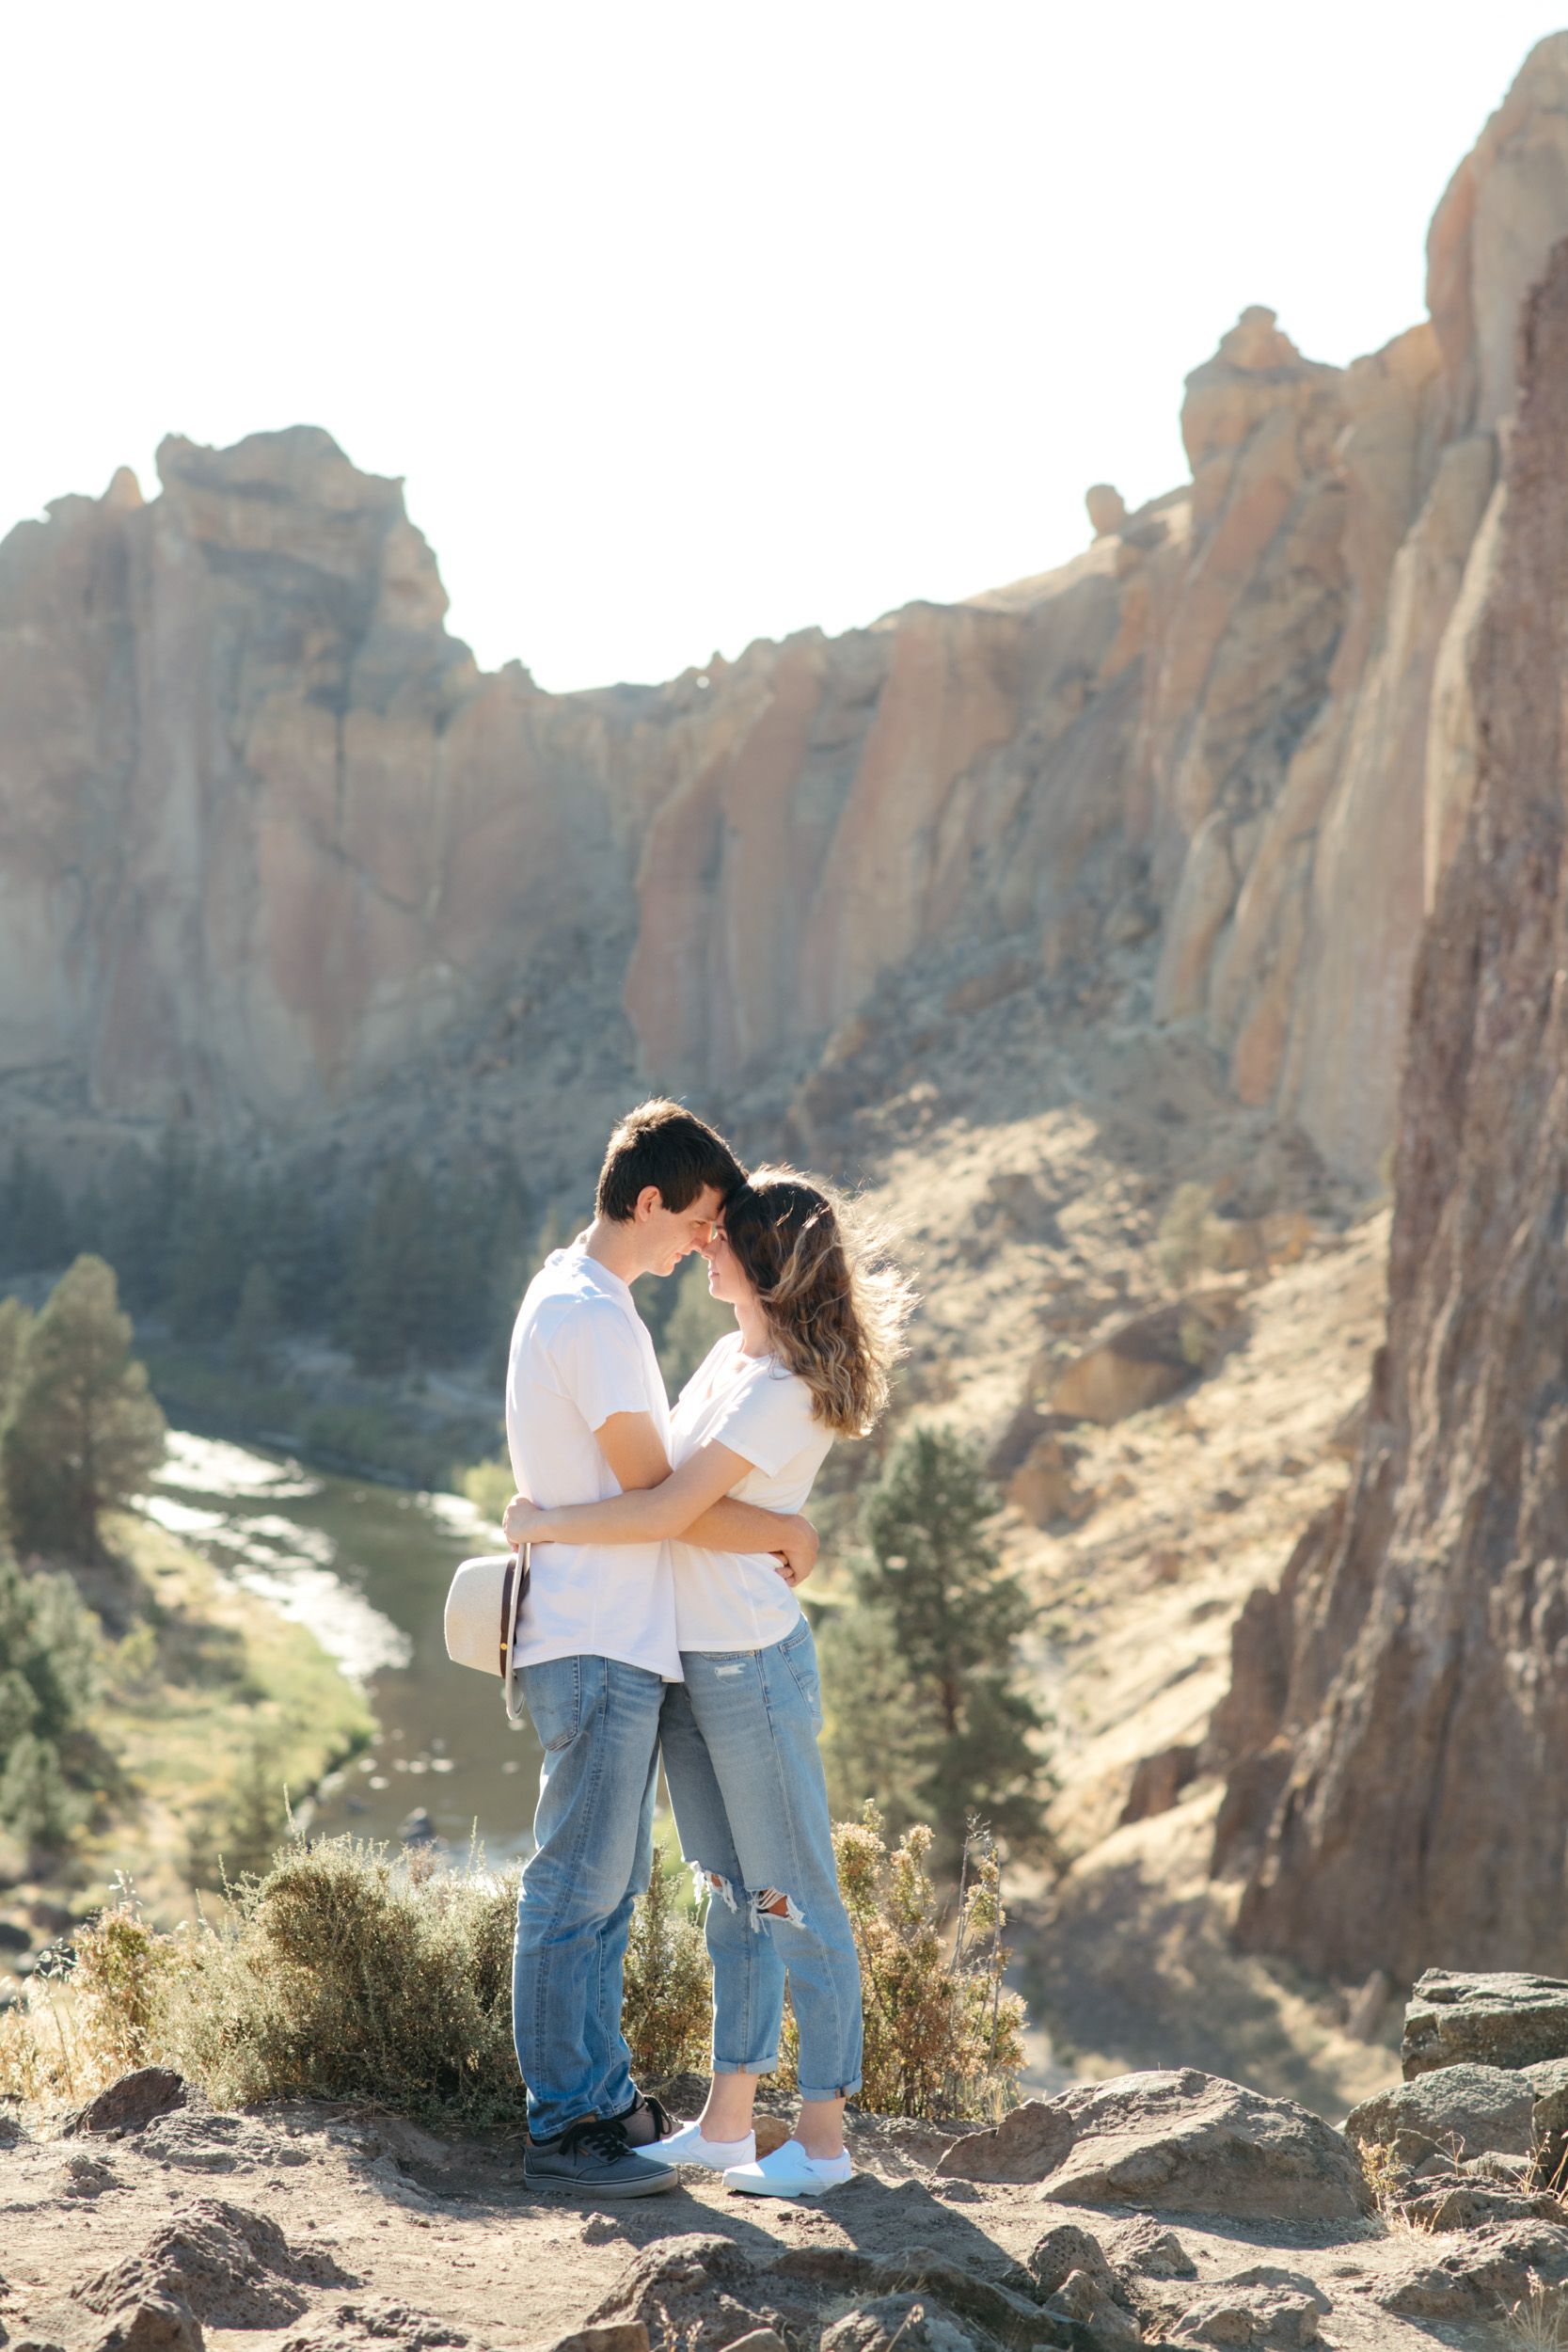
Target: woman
819 1318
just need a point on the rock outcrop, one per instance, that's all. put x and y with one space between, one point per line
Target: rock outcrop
270 842
1399 1786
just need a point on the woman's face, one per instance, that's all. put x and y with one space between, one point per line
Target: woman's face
726 1276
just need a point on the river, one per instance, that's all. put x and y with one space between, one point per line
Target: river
367 1567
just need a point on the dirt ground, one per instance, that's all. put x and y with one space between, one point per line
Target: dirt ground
395 2237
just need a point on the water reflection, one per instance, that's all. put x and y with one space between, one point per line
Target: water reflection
366 1568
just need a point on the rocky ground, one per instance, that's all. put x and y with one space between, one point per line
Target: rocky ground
1163 2208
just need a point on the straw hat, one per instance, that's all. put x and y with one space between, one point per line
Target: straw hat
483 1607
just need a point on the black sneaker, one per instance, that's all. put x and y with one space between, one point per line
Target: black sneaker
659 2114
594 2159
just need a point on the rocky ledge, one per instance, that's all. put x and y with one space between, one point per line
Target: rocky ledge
1164 2208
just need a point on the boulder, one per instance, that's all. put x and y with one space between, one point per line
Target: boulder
1158 1781
1141 2249
1249 2318
1178 2140
1085 2299
1457 2111
1106 506
1146 1359
1471 2205
1480 2275
1506 2018
132 2103
232 2267
905 2319
380 2324
151 2323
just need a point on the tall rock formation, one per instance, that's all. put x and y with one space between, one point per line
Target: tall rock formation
270 842
1397 1724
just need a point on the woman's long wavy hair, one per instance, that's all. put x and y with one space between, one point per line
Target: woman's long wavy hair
834 1302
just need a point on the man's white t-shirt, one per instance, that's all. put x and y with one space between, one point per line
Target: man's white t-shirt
581 1352
739 1601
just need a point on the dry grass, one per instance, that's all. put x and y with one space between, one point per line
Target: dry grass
343 1971
1539 2320
944 2039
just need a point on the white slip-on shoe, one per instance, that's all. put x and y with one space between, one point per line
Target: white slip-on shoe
790 2173
688 2146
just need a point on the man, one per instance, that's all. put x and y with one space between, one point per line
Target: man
587 1418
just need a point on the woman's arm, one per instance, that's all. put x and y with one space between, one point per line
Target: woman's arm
643 1515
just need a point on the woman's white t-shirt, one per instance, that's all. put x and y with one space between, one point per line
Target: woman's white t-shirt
738 1599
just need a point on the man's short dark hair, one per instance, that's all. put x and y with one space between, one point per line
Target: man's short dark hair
661 1144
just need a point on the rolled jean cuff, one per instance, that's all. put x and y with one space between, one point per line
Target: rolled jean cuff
747 2066
839 2091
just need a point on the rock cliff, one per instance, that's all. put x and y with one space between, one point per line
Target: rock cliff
1399 1715
269 841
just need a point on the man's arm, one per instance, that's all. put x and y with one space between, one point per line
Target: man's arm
635 1451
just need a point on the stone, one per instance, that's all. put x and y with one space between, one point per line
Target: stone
1143 2249
1458 2111
1106 506
1505 2019
155 2323
1269 2318
1146 1359
233 2268
905 2319
1158 1781
132 2103
1472 2206
630 2335
1088 2302
1479 2277
1178 2141
1064 2249
759 2339
379 2323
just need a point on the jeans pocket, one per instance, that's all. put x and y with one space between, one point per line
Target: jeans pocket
553 1692
799 1653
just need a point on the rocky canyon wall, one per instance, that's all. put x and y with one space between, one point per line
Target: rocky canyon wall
269 840
1399 1717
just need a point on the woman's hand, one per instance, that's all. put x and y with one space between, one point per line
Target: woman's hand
523 1522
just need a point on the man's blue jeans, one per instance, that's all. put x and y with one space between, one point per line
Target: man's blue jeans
597 1721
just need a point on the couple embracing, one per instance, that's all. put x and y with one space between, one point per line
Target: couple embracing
662 1617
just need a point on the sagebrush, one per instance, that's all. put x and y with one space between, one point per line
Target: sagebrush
345 1971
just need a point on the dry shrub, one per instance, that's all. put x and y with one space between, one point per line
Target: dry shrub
944 2039
92 2012
667 2013
344 1972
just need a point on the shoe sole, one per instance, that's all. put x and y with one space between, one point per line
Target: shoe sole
811 2189
605 2192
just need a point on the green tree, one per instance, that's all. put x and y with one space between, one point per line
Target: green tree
16 1321
81 1431
952 1619
48 1683
254 1335
209 1257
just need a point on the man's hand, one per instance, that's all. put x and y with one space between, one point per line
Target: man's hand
797 1547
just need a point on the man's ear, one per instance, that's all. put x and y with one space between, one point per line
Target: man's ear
649 1201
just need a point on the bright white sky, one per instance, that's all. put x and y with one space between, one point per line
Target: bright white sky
688 323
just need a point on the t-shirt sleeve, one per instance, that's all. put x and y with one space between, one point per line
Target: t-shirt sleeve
767 1421
598 1361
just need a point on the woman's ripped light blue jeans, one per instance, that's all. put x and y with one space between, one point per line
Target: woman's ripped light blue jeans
740 1755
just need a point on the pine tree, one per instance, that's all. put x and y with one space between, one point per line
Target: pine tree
48 1683
81 1432
16 1321
208 1257
955 1617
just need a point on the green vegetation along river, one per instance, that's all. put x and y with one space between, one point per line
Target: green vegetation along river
367 1567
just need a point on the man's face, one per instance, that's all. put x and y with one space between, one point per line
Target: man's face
671 1234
